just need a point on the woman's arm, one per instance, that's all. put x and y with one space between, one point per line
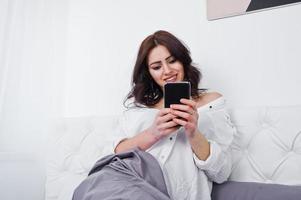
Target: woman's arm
161 127
220 134
189 120
143 141
200 145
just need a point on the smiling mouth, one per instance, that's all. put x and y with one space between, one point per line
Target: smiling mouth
171 79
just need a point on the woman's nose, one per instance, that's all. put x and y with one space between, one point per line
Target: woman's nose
166 68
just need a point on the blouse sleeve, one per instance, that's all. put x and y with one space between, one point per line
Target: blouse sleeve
118 134
219 131
130 123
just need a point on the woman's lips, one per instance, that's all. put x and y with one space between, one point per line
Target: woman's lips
171 79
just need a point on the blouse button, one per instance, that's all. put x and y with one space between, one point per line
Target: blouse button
170 138
210 106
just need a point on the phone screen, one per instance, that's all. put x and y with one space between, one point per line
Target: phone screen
175 91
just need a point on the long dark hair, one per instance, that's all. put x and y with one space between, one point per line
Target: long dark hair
145 90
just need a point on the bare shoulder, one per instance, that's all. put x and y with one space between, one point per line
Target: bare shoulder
207 97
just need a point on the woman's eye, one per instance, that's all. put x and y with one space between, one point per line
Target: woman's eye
173 60
156 68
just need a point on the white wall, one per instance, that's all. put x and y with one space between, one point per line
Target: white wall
251 59
254 59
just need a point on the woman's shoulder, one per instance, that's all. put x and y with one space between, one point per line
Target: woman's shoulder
208 97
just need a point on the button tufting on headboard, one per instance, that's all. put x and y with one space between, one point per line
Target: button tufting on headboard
267 145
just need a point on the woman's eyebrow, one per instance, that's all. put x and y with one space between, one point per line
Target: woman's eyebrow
168 57
156 62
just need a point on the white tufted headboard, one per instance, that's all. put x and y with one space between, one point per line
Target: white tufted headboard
267 148
76 144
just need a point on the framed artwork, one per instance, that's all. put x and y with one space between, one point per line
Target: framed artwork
217 9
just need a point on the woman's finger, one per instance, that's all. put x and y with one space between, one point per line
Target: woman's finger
166 118
181 107
181 114
164 111
169 130
189 102
180 121
167 125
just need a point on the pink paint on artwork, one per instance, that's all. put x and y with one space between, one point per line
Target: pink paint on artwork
224 8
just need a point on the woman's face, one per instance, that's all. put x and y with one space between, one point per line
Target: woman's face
163 67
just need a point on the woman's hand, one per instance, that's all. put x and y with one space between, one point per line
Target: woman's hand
163 124
186 116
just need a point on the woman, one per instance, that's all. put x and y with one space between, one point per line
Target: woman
190 140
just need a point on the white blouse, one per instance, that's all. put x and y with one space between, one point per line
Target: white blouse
185 175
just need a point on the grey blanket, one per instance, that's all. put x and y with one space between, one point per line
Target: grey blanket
133 175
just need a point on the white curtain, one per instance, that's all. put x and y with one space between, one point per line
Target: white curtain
32 68
61 58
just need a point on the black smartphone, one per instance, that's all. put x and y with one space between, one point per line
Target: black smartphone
175 91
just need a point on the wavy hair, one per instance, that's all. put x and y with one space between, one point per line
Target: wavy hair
145 91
